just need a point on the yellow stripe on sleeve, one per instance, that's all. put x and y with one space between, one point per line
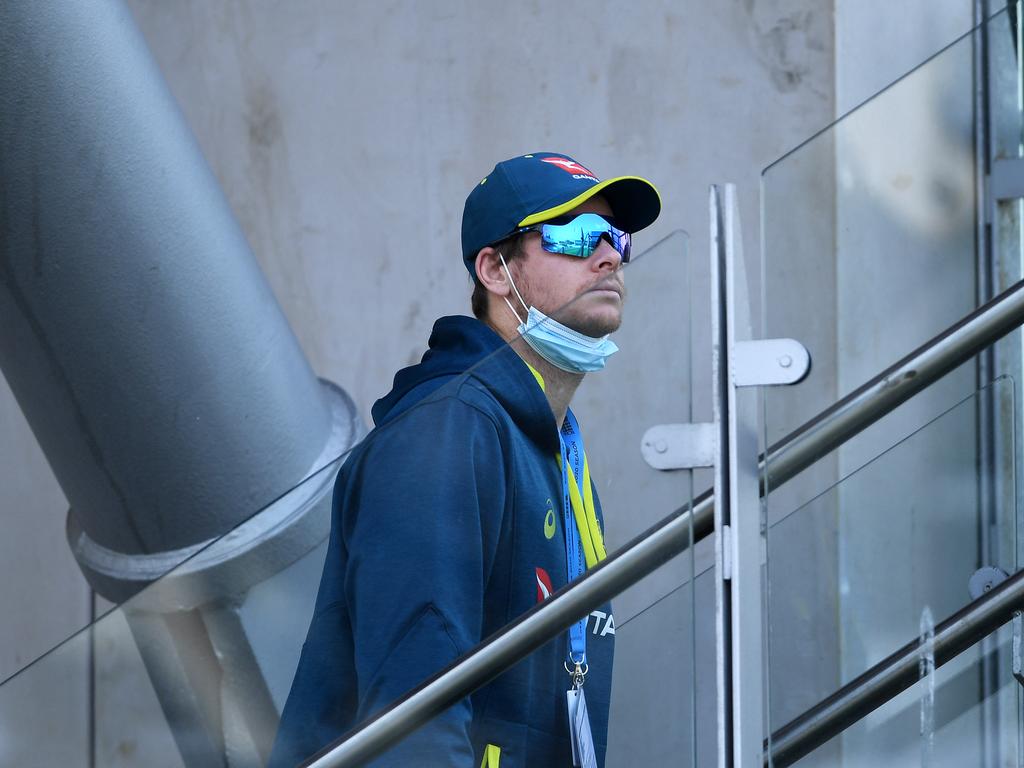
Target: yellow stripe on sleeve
492 756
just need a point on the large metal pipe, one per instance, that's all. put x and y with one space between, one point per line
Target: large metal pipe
895 674
137 331
788 457
153 363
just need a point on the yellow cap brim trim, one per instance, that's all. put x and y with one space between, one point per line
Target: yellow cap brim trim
568 205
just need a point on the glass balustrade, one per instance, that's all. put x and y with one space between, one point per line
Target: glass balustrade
914 562
876 237
197 667
868 236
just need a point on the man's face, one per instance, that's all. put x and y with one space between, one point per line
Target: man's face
584 294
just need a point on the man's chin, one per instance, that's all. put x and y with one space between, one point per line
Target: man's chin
592 326
598 330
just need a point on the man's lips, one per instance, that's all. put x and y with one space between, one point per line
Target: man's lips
606 288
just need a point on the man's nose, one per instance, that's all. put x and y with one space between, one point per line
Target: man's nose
606 257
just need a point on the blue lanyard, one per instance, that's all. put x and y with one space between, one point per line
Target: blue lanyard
571 444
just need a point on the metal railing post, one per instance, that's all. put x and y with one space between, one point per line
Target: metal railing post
738 365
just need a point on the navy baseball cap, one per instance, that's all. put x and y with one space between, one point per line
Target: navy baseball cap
540 186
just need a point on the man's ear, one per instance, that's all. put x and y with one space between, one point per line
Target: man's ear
490 272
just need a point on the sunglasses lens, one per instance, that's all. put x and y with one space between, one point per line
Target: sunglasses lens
623 246
581 236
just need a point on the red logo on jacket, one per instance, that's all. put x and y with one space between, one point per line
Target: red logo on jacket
544 588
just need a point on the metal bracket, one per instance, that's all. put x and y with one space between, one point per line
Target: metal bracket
1006 181
679 446
1018 652
727 544
767 362
984 579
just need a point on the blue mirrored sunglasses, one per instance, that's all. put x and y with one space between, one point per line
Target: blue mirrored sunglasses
580 235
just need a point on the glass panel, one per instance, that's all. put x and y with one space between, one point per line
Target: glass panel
875 241
869 232
1006 135
680 693
195 669
1006 83
906 536
649 383
192 668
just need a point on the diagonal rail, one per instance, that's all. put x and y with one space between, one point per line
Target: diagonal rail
895 385
794 453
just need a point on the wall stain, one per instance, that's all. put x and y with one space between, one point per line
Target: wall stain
902 181
788 46
262 117
631 70
411 316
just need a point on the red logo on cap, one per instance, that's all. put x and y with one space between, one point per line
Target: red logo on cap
544 589
569 166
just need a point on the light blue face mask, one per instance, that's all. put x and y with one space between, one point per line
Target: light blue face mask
560 345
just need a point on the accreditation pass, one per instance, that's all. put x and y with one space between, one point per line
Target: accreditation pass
579 730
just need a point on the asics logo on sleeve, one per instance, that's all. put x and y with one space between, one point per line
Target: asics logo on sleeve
549 521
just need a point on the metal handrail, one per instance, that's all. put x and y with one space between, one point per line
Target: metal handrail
895 385
794 453
895 674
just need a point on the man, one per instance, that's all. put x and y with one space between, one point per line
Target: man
471 500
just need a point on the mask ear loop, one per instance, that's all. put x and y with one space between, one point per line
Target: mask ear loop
513 284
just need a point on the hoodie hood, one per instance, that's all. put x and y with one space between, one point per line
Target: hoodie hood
463 348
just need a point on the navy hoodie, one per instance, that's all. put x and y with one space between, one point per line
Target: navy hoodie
447 525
